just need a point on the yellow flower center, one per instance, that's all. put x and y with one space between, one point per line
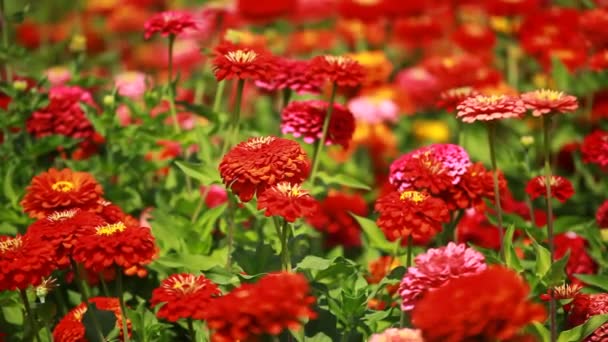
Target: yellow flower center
413 196
550 95
291 190
554 181
240 56
110 229
60 215
258 142
182 284
489 99
63 186
337 60
10 244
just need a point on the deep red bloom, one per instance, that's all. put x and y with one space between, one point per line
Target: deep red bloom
561 188
265 10
419 30
511 7
340 70
594 24
585 306
258 163
475 185
601 216
545 101
449 99
232 61
599 61
488 108
292 74
411 213
116 244
288 201
169 23
367 11
24 261
595 148
276 302
580 262
71 329
56 190
184 296
474 38
112 213
334 218
305 119
474 227
488 306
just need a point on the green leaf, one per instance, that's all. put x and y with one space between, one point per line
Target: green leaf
9 191
543 258
511 258
599 281
557 273
580 332
203 173
105 318
316 263
375 236
560 74
540 331
344 180
188 262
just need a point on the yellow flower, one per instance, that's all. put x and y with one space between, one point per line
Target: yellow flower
431 130
78 43
377 66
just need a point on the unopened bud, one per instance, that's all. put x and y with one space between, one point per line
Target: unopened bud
109 100
527 140
78 43
20 85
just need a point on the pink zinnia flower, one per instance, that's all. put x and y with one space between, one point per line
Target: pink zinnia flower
435 268
545 101
398 335
58 75
371 110
130 84
488 108
169 23
305 119
215 195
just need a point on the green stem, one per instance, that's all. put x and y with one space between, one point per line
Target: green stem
408 263
4 22
283 234
104 286
84 293
286 97
191 330
171 92
123 307
317 154
512 65
232 130
219 93
60 302
30 314
230 233
492 141
546 124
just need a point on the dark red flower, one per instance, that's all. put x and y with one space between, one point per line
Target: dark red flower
24 261
489 108
595 148
579 262
594 24
253 165
232 61
545 101
340 70
335 220
265 10
488 306
112 213
474 38
474 227
276 302
288 201
585 306
561 188
475 185
56 190
184 296
169 23
292 74
511 7
599 61
449 99
601 216
419 30
305 119
362 10
411 213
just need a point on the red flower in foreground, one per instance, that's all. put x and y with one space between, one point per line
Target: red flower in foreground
288 201
601 216
115 244
341 70
236 62
488 306
276 302
184 296
545 101
488 108
561 188
595 148
71 329
305 119
169 23
411 213
579 262
24 261
56 190
255 164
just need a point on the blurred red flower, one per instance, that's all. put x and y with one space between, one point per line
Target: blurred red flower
488 108
595 148
449 99
288 201
474 38
233 61
545 101
579 262
601 215
168 23
340 70
291 74
265 11
561 188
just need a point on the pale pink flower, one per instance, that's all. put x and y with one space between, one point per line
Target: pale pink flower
58 75
398 335
130 84
372 110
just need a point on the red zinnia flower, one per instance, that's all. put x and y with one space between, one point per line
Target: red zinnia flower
579 262
561 188
288 201
489 306
475 228
24 261
184 296
276 302
599 61
449 99
475 185
334 219
238 62
585 306
545 101
292 74
112 213
258 163
474 38
341 70
595 148
169 23
56 190
265 10
116 244
305 119
411 213
62 229
71 329
488 108
601 216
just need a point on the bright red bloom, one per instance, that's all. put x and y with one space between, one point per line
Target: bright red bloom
580 262
475 185
334 218
561 188
595 148
585 306
265 10
276 302
112 213
56 190
474 227
367 11
169 23
71 329
419 30
24 261
474 38
411 213
238 62
288 201
599 61
511 7
449 99
340 70
601 216
594 24
545 101
292 74
305 119
184 296
61 229
488 108
254 165
488 306
116 244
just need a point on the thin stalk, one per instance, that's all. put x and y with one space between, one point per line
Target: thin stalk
492 141
84 293
408 263
233 126
4 22
123 307
191 330
30 314
171 93
104 286
284 235
286 97
63 310
219 93
230 233
512 65
546 124
317 154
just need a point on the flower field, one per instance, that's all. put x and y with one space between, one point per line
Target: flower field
304 170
